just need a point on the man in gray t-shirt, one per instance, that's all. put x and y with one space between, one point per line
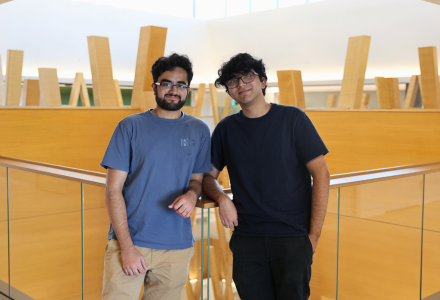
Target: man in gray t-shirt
155 163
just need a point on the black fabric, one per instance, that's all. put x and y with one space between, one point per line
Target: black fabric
266 160
272 268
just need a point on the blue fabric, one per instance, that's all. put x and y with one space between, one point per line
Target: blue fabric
159 155
266 159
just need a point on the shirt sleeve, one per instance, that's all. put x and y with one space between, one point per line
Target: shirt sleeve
118 153
203 159
308 143
217 157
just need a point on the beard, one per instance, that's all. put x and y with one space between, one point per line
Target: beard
170 106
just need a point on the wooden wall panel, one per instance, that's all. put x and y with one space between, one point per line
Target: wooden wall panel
365 100
354 72
430 85
411 93
332 100
30 95
151 46
291 88
50 94
14 68
388 94
2 84
104 92
79 89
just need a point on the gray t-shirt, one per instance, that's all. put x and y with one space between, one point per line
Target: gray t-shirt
159 155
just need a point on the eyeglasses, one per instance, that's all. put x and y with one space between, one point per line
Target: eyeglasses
166 86
246 78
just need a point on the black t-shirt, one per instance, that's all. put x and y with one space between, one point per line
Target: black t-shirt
266 159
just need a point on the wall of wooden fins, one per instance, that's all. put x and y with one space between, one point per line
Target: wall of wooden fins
429 79
79 89
291 88
50 94
214 102
227 107
118 93
30 95
199 99
14 68
388 94
332 100
365 100
411 93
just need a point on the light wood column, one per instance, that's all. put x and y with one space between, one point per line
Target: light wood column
151 46
412 91
50 94
79 89
2 84
332 100
214 102
354 72
199 99
118 93
227 107
291 88
388 94
430 85
14 68
104 92
30 95
365 100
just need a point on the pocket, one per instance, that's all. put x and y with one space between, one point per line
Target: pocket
310 245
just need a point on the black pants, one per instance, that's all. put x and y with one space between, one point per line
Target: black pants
270 268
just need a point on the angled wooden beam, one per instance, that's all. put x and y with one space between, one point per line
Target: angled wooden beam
199 99
2 84
291 88
429 79
214 102
14 68
354 72
433 1
388 94
50 94
118 93
227 107
4 1
30 95
151 46
104 92
365 100
411 93
332 100
79 89
149 101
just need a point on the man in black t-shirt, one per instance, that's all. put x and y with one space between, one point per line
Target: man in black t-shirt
270 151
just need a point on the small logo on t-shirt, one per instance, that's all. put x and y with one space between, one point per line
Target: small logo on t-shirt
187 142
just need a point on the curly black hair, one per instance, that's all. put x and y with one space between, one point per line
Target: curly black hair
169 63
238 64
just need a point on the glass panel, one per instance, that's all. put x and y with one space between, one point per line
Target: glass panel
96 226
4 265
380 240
323 282
45 228
431 237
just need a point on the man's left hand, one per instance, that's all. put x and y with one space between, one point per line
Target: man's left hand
314 240
185 204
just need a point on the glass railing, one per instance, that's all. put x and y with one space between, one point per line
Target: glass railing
380 239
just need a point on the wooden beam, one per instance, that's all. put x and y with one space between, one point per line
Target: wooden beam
430 85
365 100
433 1
2 84
4 1
30 95
151 46
291 88
214 102
14 68
388 94
354 72
199 99
118 93
332 100
227 107
50 94
79 89
104 92
411 93
149 101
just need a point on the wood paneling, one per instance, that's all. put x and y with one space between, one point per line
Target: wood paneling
79 89
354 72
14 68
388 94
430 85
104 92
365 100
291 88
2 84
118 93
332 100
411 93
214 103
151 46
30 95
50 94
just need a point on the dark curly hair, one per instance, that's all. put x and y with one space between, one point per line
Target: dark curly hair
238 64
169 63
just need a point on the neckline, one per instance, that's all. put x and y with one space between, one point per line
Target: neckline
150 114
271 110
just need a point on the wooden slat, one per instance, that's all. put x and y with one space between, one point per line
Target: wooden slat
190 110
214 102
104 92
332 100
215 272
118 93
30 95
365 100
199 100
50 94
291 88
14 68
388 94
354 72
430 85
411 93
227 107
148 102
79 89
151 46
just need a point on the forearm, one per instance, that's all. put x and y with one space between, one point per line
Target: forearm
117 212
320 193
195 188
213 190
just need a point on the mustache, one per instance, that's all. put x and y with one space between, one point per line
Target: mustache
172 95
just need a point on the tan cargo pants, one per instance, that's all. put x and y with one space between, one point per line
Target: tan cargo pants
165 279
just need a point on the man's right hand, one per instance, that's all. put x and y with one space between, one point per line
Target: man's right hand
133 262
228 212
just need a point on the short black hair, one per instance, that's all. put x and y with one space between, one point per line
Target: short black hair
169 63
238 64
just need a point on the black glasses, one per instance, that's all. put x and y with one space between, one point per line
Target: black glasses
166 86
246 78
